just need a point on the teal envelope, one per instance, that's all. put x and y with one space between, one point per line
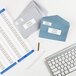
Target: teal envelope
54 27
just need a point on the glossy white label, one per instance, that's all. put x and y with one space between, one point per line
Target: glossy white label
47 23
29 23
54 31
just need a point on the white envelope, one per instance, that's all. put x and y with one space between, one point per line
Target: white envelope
29 20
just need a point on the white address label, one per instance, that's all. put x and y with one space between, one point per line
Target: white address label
29 23
54 31
47 23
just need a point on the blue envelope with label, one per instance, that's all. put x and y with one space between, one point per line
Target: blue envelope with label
54 27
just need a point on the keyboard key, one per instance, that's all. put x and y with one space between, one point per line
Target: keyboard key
73 53
59 56
69 59
66 53
63 62
50 64
52 67
63 58
62 55
71 65
73 50
59 67
66 60
65 68
66 56
62 66
73 57
69 52
74 63
49 61
60 63
62 70
53 63
60 59
54 70
52 60
55 58
57 72
63 73
68 67
66 72
68 63
57 61
59 75
56 65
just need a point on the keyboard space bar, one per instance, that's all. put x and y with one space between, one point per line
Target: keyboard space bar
72 72
72 69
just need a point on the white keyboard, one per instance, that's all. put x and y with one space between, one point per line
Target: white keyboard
63 62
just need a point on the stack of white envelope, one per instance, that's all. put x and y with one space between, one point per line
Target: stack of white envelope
29 20
13 48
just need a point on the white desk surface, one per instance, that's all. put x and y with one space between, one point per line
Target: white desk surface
64 8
